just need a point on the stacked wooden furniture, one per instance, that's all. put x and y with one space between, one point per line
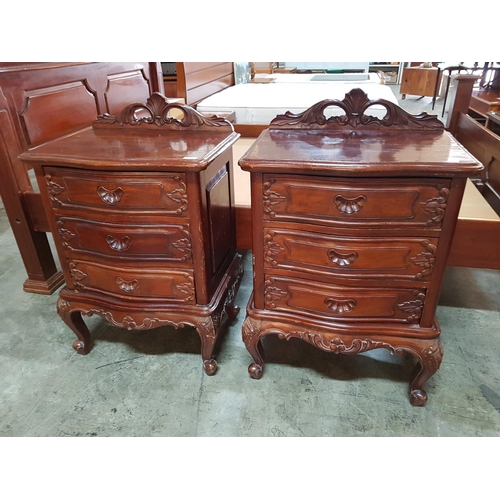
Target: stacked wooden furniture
477 239
141 207
353 219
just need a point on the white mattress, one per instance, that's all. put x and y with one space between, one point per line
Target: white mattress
353 78
258 104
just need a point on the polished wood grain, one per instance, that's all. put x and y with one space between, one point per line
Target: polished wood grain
42 101
419 81
198 80
353 219
141 208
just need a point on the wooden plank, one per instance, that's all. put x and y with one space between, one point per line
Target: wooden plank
476 244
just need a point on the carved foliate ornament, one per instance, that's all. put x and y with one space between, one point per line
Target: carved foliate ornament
155 113
354 105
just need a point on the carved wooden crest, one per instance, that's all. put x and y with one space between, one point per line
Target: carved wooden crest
354 105
155 113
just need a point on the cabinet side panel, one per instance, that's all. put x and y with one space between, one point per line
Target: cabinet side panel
219 216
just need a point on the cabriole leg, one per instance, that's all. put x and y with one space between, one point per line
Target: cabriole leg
251 338
430 358
208 334
73 319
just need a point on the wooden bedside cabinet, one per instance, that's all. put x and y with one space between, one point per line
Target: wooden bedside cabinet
419 81
353 218
141 208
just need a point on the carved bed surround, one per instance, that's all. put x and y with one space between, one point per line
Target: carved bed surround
353 219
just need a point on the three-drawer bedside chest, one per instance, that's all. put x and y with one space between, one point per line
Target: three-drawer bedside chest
141 208
353 219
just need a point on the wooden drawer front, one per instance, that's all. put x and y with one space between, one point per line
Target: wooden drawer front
146 283
351 202
380 258
347 303
171 243
72 188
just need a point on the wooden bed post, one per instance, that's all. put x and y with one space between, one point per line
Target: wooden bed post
43 276
460 100
156 77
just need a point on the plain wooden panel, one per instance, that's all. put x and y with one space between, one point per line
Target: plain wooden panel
196 81
194 96
476 244
124 89
49 110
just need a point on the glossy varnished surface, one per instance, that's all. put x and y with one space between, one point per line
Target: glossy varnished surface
352 225
42 101
360 152
143 221
144 149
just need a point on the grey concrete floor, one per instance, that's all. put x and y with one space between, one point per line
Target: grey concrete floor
152 383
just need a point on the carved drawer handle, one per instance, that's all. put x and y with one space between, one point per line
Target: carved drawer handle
342 259
117 244
349 206
110 196
127 286
340 306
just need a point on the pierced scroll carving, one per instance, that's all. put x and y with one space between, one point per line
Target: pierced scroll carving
354 105
349 206
342 259
336 344
120 245
110 196
155 113
130 323
340 306
127 286
436 206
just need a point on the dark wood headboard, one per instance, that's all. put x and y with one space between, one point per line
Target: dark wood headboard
198 80
41 102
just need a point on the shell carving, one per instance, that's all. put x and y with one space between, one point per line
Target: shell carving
110 196
127 286
340 306
117 244
349 206
342 259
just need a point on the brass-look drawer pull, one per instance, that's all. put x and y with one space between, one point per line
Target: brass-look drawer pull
117 244
342 259
110 196
349 206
